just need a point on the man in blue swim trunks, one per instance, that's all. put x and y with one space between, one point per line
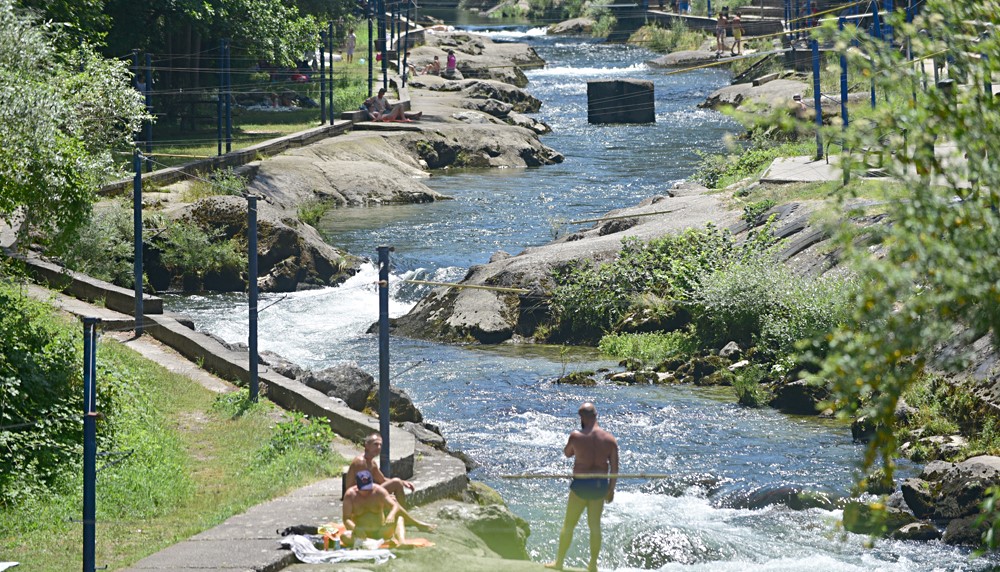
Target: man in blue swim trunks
596 453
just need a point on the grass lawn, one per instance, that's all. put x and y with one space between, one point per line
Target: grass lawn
198 459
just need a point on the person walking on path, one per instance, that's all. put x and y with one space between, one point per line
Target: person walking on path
368 461
720 33
596 453
352 41
737 26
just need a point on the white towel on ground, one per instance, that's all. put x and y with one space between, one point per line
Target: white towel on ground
306 552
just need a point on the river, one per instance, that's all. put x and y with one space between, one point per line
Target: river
499 404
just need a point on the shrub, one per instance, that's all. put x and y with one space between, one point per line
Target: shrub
748 388
649 347
312 211
590 299
761 302
103 246
41 398
753 211
720 171
677 37
221 182
298 432
190 251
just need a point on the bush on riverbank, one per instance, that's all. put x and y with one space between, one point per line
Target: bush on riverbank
180 248
188 464
677 37
758 303
649 348
590 300
719 170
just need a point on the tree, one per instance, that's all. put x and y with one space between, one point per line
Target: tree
939 279
83 21
62 116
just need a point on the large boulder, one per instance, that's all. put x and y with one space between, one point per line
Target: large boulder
773 94
291 255
280 365
953 492
501 530
875 520
798 397
963 488
355 169
401 407
481 145
345 381
574 27
683 58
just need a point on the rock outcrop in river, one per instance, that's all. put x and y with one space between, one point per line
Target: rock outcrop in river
471 315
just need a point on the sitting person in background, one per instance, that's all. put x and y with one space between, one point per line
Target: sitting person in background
451 65
368 461
381 110
433 68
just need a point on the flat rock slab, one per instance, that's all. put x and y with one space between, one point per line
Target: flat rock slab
802 170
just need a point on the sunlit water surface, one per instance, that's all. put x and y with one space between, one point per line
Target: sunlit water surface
500 405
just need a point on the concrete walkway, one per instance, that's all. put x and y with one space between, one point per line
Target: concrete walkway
802 170
250 541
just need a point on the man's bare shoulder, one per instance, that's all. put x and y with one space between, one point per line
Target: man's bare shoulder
605 436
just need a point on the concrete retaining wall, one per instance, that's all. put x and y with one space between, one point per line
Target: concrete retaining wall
86 288
288 393
233 159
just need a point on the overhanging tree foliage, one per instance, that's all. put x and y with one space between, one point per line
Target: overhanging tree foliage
939 279
62 116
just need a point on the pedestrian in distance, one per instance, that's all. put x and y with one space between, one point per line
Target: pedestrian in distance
596 452
720 33
737 26
351 42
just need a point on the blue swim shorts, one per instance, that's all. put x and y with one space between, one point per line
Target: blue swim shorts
590 489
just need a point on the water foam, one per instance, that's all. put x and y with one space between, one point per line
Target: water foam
530 33
567 71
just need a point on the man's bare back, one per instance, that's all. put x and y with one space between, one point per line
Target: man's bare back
593 449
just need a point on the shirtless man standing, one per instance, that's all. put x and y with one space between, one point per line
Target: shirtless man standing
371 512
367 461
596 452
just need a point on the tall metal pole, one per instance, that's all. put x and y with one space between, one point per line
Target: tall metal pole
383 355
843 80
322 77
329 39
817 97
877 25
222 89
383 45
371 38
229 102
89 445
843 105
149 106
137 235
252 290
406 42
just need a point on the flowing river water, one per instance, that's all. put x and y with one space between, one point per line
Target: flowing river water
499 404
